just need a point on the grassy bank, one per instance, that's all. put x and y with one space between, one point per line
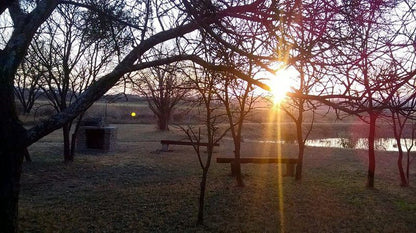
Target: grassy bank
139 189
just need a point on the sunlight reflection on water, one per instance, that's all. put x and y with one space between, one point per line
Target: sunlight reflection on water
382 144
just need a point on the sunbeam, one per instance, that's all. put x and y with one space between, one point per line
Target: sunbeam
279 170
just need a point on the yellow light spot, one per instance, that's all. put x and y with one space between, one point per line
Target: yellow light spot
281 84
133 114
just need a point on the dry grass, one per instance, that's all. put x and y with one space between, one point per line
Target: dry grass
137 189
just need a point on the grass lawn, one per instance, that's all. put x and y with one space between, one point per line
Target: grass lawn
138 189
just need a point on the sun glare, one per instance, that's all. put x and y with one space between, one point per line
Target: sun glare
280 84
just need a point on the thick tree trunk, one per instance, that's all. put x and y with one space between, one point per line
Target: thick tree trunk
11 158
163 122
75 134
27 155
371 151
67 143
73 144
12 136
11 165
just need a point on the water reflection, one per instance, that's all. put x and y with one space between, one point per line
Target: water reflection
382 144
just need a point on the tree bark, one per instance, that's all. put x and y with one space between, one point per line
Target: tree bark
67 143
12 134
299 165
73 144
75 134
237 163
163 121
11 156
403 180
203 185
27 155
11 166
301 144
408 168
371 151
397 130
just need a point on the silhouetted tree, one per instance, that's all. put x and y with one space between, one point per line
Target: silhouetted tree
164 87
368 59
307 34
238 99
67 63
364 34
401 117
204 83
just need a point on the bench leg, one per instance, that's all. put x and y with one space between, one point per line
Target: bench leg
165 147
290 169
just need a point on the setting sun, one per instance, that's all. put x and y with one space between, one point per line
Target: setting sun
280 84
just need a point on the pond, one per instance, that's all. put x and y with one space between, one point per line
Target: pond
382 144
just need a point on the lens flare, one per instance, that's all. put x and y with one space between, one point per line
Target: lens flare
281 83
275 132
280 86
280 176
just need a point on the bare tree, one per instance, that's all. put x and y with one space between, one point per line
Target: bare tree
306 33
238 99
373 60
295 108
400 122
204 84
357 66
401 78
401 117
164 87
67 64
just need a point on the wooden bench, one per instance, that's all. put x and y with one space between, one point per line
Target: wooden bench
290 163
166 143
